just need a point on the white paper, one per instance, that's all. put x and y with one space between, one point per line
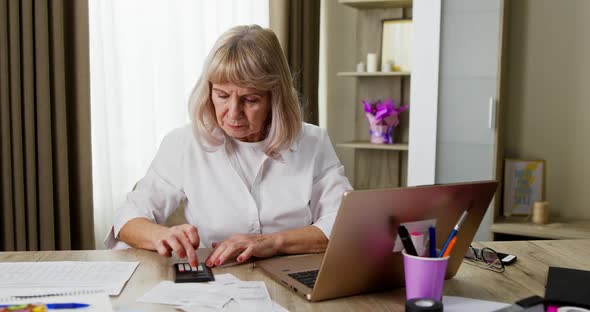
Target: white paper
187 294
231 306
200 308
226 293
461 304
252 296
63 277
225 279
417 226
99 302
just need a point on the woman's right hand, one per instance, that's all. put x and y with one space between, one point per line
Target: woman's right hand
181 239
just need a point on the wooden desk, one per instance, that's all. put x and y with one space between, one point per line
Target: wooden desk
524 278
557 229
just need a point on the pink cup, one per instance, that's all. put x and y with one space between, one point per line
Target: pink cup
425 276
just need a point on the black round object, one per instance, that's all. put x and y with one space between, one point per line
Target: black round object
423 305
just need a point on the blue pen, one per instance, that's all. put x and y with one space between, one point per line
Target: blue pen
453 233
432 238
57 306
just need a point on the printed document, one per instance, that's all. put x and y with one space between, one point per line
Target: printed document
63 277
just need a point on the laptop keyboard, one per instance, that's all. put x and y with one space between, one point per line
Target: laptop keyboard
306 278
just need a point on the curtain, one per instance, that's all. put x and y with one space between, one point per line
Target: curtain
45 153
297 24
145 57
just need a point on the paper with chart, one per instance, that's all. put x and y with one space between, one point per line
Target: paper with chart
63 277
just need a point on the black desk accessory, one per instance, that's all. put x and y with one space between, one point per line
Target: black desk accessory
184 273
568 287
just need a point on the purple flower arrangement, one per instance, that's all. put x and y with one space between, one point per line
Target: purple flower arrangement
383 117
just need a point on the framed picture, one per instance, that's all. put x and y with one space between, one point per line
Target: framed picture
396 45
524 183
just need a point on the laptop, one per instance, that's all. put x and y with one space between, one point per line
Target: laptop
360 257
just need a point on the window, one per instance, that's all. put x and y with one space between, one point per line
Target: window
145 56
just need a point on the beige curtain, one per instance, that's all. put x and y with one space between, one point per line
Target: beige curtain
297 24
45 152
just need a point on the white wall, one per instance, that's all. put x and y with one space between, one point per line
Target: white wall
548 103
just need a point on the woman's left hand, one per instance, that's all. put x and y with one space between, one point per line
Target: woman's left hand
244 246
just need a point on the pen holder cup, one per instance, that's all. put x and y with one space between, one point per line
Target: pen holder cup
424 276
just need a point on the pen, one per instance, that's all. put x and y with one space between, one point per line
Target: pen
453 233
432 238
450 247
73 305
55 306
406 240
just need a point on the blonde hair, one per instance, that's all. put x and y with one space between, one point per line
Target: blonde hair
250 57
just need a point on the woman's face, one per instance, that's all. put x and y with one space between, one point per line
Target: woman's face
241 112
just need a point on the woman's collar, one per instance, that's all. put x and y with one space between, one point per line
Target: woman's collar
219 134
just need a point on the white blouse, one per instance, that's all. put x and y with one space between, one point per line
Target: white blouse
305 186
247 158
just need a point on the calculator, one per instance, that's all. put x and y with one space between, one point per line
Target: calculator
185 273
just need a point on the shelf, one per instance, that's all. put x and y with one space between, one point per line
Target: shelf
377 4
557 229
375 74
367 145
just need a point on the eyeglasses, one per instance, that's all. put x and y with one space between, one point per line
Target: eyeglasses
485 258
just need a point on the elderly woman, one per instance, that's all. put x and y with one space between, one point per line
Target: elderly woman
255 179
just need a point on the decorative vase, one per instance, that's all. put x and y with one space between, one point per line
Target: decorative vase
382 117
381 134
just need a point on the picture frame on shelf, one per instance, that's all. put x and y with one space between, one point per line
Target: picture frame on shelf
524 183
396 45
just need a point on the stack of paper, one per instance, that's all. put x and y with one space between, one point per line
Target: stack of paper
226 293
63 277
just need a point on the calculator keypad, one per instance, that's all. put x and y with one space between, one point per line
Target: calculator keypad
185 267
187 273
